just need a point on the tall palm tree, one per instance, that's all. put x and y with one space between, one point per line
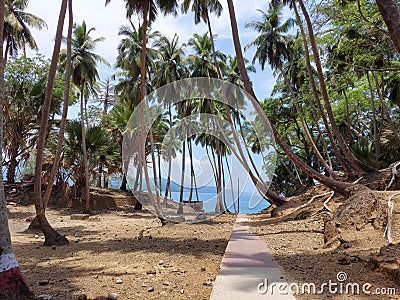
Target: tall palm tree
10 273
52 237
336 185
202 10
17 21
84 76
68 67
274 46
148 9
129 60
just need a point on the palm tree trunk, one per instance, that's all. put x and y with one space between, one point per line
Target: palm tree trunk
231 183
51 236
84 152
391 15
57 156
374 125
12 282
99 175
180 208
321 111
338 186
142 138
358 165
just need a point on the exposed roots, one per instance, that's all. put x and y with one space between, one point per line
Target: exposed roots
388 230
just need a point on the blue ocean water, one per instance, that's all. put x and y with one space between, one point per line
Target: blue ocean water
248 203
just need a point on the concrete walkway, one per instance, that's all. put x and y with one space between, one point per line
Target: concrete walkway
248 270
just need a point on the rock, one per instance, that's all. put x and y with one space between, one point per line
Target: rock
346 246
37 236
144 284
44 282
203 269
82 297
161 262
112 296
151 272
354 259
45 297
96 276
182 291
118 281
53 247
208 283
150 289
80 217
166 283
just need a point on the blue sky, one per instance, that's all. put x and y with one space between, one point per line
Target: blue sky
107 21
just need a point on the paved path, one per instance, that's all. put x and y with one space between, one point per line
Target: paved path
247 263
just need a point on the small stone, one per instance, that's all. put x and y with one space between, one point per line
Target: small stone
118 281
182 291
161 262
151 272
43 282
45 297
208 283
82 297
150 289
96 276
344 260
354 259
346 246
203 269
53 247
144 284
166 283
112 296
37 236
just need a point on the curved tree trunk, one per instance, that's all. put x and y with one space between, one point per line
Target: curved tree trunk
338 186
57 156
50 234
12 283
359 166
391 15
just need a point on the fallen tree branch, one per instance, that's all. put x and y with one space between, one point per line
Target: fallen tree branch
313 198
395 173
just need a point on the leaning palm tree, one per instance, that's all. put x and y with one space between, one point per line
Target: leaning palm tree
84 76
10 273
17 34
52 237
148 9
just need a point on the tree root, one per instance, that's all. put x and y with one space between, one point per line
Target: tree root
388 230
395 174
313 198
325 204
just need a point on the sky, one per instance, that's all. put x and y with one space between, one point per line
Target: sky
107 21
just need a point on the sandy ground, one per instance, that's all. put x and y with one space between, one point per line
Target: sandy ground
120 251
298 247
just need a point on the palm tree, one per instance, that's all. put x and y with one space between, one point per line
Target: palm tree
336 185
201 63
16 287
274 46
129 60
64 115
52 237
17 34
84 76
